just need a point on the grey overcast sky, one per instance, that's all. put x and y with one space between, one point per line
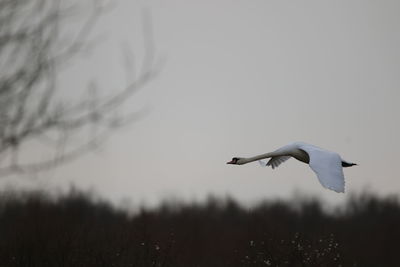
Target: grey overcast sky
242 78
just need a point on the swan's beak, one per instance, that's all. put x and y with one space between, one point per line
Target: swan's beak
230 162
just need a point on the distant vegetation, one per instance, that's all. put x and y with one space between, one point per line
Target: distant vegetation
77 230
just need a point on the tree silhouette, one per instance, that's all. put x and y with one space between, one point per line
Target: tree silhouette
33 47
81 229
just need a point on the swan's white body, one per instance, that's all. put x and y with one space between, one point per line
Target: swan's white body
326 164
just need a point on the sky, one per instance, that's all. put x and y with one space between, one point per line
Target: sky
241 78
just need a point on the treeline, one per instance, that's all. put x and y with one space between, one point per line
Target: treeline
77 230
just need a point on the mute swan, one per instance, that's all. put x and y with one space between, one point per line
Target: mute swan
326 164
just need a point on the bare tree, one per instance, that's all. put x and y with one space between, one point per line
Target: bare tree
32 48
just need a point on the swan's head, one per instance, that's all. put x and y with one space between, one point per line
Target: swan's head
236 161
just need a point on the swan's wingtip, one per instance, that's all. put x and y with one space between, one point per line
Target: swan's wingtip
262 163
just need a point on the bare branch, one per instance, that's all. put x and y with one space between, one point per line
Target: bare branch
29 111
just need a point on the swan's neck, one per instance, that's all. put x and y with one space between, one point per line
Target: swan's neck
258 157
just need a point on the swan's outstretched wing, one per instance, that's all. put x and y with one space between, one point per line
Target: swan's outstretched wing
276 161
328 167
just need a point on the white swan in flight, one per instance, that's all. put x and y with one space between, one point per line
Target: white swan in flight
326 164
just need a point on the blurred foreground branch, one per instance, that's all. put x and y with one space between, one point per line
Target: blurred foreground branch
32 48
